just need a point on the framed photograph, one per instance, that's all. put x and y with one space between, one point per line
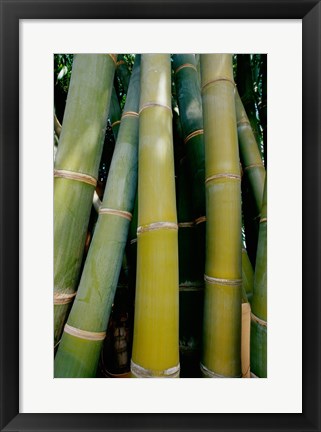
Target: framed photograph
288 33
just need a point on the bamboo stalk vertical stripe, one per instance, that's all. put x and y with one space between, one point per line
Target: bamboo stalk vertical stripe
259 301
250 155
223 278
156 344
78 356
76 168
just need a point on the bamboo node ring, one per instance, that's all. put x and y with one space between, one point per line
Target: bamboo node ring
243 123
223 175
133 241
186 225
157 226
193 134
115 123
257 165
218 281
72 175
263 220
185 65
84 334
130 114
121 213
63 298
199 220
210 374
154 104
141 372
217 80
258 320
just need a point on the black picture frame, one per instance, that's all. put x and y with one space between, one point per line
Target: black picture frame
11 12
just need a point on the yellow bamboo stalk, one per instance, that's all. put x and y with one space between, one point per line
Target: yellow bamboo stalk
223 279
156 341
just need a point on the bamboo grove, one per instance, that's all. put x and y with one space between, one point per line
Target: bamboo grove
160 216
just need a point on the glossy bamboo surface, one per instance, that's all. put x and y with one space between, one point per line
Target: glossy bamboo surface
222 304
79 151
77 357
155 344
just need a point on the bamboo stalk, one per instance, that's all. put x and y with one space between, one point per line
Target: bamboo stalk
76 169
155 344
247 275
250 156
259 301
80 346
223 279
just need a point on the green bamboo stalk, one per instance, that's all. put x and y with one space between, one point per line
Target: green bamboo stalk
156 339
223 272
247 275
78 157
190 109
250 156
259 301
79 350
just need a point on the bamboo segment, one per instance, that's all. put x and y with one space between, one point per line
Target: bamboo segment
250 155
245 345
259 301
79 351
76 169
223 279
155 344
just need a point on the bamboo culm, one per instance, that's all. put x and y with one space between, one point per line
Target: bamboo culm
76 170
79 350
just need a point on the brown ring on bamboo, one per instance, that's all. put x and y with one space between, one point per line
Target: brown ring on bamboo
130 114
258 320
153 104
84 334
185 287
263 220
217 80
193 134
258 165
218 281
120 62
141 372
157 226
247 371
115 123
223 175
210 374
186 224
114 58
199 220
72 175
185 65
121 213
63 298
